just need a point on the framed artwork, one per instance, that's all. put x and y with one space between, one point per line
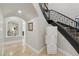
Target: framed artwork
30 26
13 29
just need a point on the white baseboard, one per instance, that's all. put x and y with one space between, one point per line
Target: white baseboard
11 42
35 50
39 51
65 52
59 49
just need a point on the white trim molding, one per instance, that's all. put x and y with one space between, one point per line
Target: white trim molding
64 52
39 51
11 42
35 50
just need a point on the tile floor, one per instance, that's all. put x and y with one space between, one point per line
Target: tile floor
17 49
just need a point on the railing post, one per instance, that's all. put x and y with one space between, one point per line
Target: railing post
49 14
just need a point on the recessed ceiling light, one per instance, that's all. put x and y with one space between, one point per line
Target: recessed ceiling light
19 11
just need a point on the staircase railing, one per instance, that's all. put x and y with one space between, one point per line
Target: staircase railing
66 26
58 17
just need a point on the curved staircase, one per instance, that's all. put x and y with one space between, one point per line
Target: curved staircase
66 26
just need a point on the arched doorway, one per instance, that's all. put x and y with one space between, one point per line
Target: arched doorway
15 35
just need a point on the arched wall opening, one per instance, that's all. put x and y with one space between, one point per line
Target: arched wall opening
22 29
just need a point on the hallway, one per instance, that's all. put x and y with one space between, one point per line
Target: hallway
36 30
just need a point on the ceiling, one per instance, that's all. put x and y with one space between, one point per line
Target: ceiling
11 9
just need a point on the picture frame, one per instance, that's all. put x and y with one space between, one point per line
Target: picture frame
30 26
12 29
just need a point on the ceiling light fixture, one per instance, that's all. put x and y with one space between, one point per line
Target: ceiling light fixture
19 11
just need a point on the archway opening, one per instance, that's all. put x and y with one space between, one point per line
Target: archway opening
15 34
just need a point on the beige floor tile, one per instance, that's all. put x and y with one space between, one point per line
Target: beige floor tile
19 50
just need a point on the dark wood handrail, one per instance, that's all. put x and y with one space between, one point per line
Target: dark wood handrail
46 7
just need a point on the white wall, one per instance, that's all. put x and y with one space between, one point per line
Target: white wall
64 45
36 38
69 9
42 24
33 35
1 31
1 25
